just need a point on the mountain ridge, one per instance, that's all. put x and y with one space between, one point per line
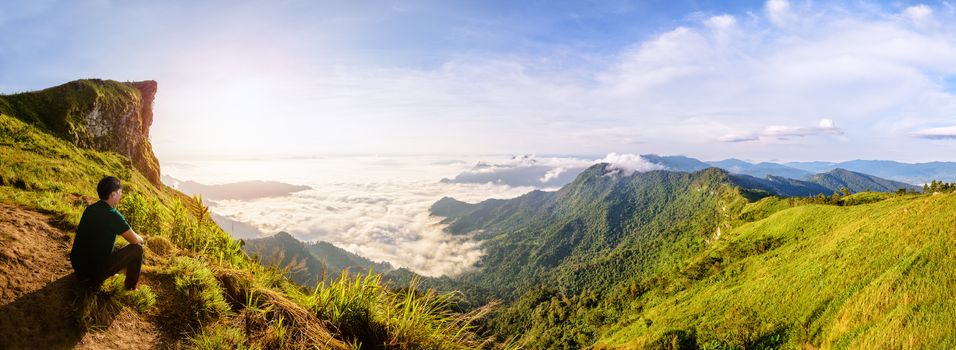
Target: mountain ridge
527 172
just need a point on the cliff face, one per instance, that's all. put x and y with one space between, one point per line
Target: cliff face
99 114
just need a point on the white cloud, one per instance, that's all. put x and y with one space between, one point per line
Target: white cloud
720 22
738 138
552 174
629 163
778 11
919 14
941 133
825 126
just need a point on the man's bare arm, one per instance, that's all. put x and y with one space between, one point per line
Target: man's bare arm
132 237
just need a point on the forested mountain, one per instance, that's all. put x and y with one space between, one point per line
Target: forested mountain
611 259
576 237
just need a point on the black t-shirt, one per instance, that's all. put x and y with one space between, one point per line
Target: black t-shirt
95 237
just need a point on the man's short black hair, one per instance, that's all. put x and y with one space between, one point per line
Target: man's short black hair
107 185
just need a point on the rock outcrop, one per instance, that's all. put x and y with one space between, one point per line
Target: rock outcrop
98 114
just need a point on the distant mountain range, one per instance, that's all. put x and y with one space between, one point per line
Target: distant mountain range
243 190
914 173
823 183
531 173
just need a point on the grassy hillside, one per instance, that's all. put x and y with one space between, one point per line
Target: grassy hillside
224 299
874 275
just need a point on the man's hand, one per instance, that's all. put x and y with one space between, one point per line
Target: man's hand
132 237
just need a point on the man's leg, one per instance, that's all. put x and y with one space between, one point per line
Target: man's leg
130 258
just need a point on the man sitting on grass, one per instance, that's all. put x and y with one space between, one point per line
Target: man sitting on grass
92 255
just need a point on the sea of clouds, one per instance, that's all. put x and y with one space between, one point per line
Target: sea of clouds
377 207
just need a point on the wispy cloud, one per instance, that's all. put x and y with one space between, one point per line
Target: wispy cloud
825 126
786 132
941 133
738 138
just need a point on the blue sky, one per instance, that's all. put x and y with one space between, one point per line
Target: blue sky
775 80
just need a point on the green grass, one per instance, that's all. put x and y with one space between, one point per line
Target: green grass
874 275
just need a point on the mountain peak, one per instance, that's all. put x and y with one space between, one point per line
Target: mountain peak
284 236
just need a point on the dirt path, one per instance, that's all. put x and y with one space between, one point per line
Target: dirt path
38 293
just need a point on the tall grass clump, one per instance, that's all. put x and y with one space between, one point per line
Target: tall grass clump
192 230
97 307
197 283
365 311
220 337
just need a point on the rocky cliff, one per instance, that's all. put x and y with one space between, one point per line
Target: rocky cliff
98 114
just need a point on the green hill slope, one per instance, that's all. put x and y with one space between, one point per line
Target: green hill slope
876 275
